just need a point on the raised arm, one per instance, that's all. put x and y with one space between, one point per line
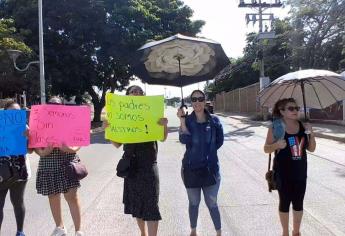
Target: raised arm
44 151
311 137
164 122
117 145
184 134
270 145
68 149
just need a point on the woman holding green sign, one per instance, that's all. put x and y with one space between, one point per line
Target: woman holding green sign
16 184
141 186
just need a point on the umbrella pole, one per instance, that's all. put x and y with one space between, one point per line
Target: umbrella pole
304 104
182 101
180 75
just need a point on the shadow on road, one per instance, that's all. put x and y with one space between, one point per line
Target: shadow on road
173 129
340 172
98 138
253 123
242 132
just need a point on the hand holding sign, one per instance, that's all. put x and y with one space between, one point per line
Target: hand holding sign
163 121
12 128
51 124
66 149
134 119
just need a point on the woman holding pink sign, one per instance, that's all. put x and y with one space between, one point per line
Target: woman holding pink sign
141 184
52 182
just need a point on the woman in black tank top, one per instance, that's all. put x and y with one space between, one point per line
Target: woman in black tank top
290 162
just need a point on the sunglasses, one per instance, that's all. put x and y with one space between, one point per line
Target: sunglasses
197 99
293 108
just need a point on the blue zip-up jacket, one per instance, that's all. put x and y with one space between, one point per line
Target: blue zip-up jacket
202 142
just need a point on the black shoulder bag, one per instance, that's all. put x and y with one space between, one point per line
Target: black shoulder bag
271 181
8 174
75 170
123 166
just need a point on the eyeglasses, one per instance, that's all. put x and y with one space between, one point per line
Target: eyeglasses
199 99
293 108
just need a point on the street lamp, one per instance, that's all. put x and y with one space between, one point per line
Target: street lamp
14 54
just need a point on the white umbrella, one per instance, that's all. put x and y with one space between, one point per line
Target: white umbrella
343 74
311 88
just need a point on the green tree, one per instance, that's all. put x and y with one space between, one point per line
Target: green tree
313 36
89 44
11 81
10 38
319 27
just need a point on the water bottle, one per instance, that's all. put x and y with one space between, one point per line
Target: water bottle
278 129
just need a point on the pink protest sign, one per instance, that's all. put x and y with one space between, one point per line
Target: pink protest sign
58 124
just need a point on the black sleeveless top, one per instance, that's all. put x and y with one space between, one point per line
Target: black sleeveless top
290 163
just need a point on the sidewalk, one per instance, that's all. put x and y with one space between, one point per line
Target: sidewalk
321 130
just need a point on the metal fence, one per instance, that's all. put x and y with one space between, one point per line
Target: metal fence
243 100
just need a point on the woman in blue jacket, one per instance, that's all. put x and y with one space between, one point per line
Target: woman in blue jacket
202 133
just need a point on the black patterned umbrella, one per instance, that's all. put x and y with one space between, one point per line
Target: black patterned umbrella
179 60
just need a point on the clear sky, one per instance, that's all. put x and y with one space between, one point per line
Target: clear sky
225 23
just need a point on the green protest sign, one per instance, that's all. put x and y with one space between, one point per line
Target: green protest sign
134 119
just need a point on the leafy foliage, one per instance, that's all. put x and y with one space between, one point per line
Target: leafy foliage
89 44
12 82
312 37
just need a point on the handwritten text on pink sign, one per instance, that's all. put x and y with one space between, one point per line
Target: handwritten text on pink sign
58 124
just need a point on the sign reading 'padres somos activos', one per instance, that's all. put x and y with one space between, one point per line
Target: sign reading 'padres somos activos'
12 128
134 119
58 124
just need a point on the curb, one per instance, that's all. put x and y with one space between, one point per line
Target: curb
326 136
317 134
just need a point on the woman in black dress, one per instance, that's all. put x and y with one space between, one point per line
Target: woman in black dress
141 187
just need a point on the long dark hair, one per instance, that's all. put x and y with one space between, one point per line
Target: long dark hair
198 91
280 105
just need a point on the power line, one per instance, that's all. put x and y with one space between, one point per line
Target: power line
261 17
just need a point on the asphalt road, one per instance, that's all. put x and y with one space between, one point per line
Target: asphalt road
246 207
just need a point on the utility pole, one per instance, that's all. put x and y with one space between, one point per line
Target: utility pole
261 17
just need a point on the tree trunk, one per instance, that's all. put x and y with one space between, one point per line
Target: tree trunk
98 104
98 107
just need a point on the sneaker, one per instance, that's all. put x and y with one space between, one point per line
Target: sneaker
58 231
79 233
20 233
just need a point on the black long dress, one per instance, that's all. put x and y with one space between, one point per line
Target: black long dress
141 187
